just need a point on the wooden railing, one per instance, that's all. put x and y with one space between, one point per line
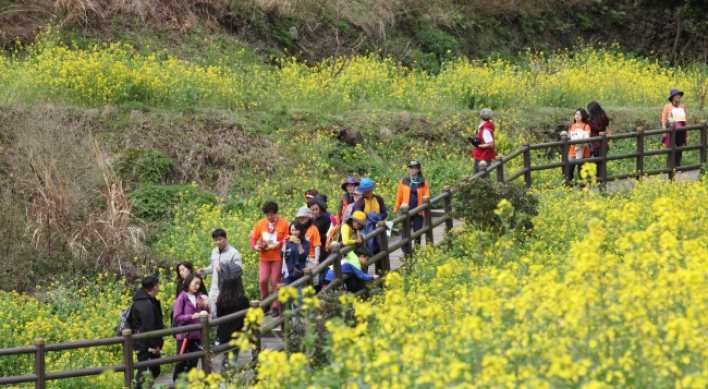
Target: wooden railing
604 157
39 349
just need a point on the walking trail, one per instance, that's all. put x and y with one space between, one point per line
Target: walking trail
274 340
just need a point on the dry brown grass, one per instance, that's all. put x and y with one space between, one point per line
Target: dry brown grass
74 203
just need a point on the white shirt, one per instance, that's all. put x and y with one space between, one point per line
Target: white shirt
486 135
192 298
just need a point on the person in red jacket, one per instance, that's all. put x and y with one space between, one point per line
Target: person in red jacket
483 141
411 190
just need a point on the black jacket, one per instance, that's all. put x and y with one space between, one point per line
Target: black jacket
323 223
227 329
145 316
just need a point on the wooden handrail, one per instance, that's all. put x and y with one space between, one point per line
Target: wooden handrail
334 259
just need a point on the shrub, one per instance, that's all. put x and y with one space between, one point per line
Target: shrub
146 165
155 202
476 202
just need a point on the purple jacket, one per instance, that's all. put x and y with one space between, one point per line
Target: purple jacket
182 314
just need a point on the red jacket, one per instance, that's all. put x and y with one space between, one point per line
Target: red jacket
485 154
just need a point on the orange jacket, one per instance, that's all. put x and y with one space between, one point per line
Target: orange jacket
404 192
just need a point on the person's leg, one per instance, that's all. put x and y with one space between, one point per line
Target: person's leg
263 278
212 302
571 171
417 225
276 275
475 169
311 265
224 356
143 355
192 346
680 141
180 367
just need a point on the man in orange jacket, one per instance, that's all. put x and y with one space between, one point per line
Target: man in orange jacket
411 191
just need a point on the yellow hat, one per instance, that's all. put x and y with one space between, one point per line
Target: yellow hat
359 216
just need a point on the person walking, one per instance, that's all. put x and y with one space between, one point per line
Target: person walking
183 270
483 141
374 208
295 253
348 186
145 316
223 252
186 312
267 238
411 190
305 218
580 123
674 113
230 301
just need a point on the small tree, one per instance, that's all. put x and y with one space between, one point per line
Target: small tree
476 201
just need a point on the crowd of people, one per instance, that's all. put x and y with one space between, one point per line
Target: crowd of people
285 249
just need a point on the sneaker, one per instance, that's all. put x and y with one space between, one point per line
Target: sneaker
274 312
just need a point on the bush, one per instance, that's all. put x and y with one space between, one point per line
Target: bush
148 166
299 340
155 202
477 202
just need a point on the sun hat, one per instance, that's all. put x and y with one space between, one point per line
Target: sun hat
358 191
304 212
349 180
414 164
675 92
359 216
366 185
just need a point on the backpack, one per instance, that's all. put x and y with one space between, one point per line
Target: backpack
231 271
124 320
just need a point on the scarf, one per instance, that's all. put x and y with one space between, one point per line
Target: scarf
371 205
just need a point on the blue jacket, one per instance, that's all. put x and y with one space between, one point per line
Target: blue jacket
292 258
348 269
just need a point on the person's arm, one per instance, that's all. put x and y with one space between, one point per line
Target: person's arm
665 117
426 188
382 206
178 313
347 238
399 198
209 269
254 238
359 274
488 140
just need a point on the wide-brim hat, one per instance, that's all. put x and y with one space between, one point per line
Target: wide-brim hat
349 180
366 185
675 92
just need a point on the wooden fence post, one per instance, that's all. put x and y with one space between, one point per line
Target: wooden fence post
602 179
386 259
428 221
483 169
527 165
39 363
336 249
255 337
640 151
206 342
564 158
672 156
447 207
500 169
704 142
128 357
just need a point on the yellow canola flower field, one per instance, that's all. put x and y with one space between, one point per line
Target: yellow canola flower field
115 73
608 292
